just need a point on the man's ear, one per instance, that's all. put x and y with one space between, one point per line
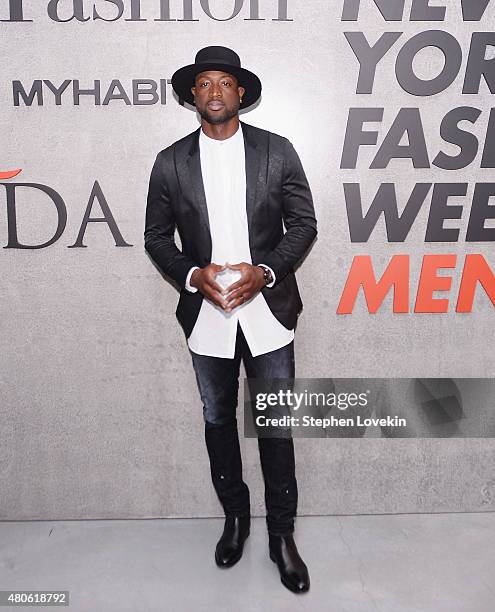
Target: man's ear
241 91
193 89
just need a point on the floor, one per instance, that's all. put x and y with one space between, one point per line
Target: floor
386 563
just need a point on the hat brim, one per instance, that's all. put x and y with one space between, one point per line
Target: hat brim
183 79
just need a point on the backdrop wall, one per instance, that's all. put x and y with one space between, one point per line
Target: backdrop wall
100 416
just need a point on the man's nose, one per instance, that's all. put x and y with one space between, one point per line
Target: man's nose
215 90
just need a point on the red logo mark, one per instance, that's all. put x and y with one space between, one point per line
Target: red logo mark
9 173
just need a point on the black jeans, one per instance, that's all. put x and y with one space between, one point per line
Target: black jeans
218 383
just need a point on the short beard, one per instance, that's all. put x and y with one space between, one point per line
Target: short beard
217 118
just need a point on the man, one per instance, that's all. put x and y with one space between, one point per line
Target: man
228 187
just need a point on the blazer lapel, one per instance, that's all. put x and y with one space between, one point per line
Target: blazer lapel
255 160
196 181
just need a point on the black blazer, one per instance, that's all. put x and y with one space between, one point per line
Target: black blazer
277 194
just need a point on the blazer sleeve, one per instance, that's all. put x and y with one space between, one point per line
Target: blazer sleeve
160 223
298 215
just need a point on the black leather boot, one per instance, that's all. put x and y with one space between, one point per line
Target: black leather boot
293 571
231 544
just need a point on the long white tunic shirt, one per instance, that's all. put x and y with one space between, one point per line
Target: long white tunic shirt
223 168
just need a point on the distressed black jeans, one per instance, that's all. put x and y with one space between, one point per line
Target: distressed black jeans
218 384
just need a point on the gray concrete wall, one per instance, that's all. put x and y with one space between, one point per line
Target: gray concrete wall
99 415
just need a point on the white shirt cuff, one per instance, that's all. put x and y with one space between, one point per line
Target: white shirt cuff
189 287
273 275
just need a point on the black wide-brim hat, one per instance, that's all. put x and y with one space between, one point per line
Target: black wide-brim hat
216 58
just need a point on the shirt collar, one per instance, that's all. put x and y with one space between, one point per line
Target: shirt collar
213 142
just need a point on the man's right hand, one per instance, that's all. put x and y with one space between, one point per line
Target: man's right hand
204 280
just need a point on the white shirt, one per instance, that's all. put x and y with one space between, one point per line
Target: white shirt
223 169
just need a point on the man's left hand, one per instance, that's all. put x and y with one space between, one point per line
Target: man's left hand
251 282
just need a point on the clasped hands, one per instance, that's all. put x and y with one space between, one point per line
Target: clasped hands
251 282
